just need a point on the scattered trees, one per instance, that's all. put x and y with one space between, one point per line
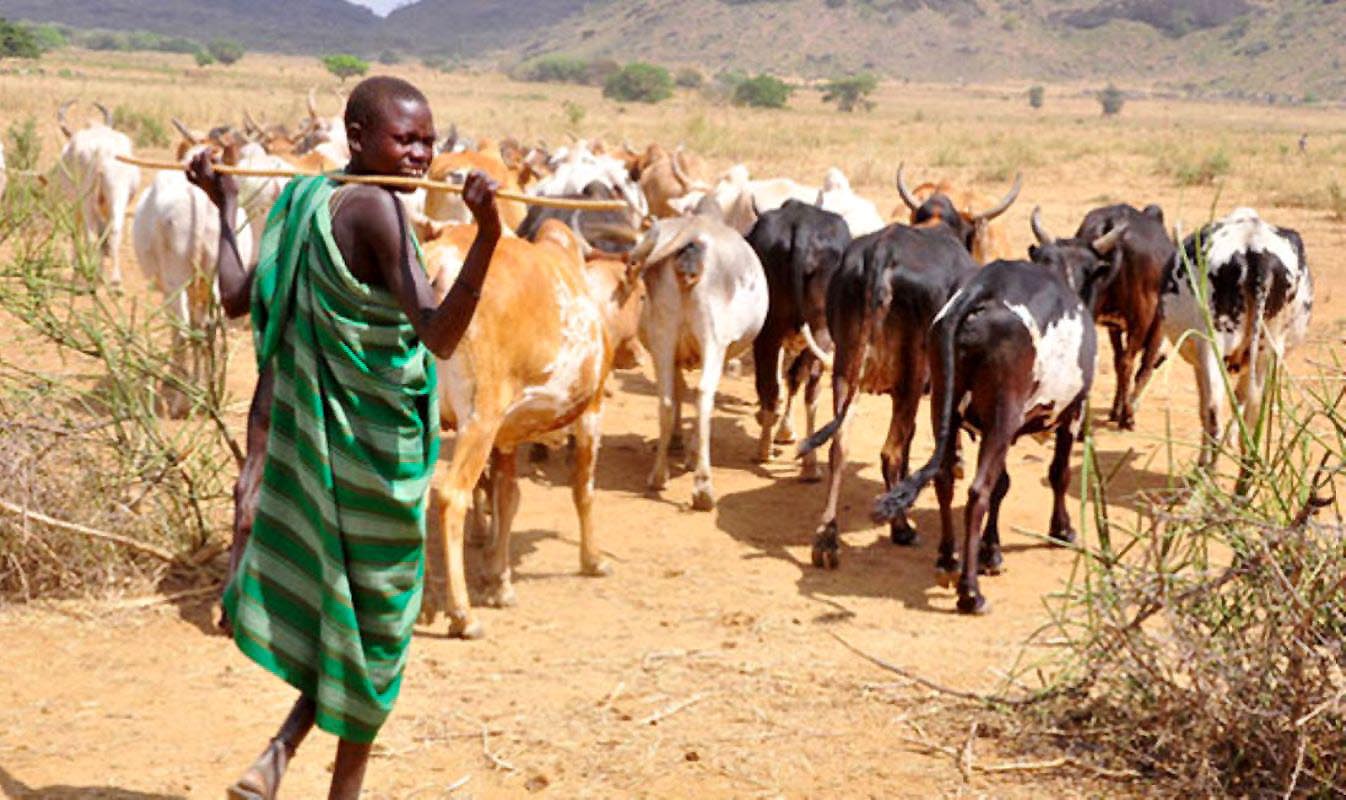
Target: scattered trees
225 51
345 65
639 82
1111 99
762 91
851 92
18 41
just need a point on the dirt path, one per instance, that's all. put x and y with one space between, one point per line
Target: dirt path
718 611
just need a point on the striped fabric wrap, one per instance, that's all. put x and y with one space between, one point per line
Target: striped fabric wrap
330 583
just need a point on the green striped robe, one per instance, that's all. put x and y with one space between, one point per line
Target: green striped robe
330 583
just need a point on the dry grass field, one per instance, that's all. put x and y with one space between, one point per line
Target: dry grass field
706 665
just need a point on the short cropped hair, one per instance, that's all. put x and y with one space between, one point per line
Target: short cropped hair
369 98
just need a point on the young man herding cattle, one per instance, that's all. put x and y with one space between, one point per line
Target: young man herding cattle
346 325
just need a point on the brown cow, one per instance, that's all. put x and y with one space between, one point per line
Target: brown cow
441 205
986 242
533 360
664 176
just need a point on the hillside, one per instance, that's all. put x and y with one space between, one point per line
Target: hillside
1249 48
291 25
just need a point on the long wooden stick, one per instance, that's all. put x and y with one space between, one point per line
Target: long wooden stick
389 180
84 530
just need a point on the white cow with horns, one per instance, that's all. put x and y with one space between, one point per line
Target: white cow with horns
100 186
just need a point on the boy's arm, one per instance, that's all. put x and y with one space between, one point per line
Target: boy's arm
388 238
235 279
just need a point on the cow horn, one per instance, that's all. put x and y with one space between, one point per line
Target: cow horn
60 117
107 115
904 191
185 131
675 161
312 103
1044 237
668 246
1105 243
1005 203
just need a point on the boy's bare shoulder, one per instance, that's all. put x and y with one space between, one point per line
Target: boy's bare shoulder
367 207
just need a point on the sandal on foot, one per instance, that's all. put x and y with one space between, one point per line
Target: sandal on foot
266 771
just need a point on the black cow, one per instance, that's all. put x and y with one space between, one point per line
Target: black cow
612 232
800 247
1129 305
880 304
1011 353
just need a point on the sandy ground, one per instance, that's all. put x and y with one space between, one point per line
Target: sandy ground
716 620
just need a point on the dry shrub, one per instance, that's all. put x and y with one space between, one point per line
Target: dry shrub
1204 646
80 439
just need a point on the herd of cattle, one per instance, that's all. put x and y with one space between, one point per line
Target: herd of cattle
697 272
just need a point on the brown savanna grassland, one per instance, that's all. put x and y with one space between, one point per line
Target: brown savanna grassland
715 622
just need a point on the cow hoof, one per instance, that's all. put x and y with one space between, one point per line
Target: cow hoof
992 563
733 368
703 499
903 536
974 604
826 555
810 473
466 628
501 595
946 578
599 569
1064 536
785 435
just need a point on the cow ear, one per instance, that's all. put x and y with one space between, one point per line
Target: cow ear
1033 251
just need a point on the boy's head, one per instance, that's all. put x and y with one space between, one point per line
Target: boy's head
389 128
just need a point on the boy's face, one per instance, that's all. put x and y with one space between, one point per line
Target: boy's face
399 141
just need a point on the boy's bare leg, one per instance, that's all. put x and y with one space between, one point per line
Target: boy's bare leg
349 772
262 779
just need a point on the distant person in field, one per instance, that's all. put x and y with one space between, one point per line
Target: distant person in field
326 589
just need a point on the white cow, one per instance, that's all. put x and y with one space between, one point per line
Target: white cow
707 300
1260 296
176 236
100 186
861 215
742 198
574 168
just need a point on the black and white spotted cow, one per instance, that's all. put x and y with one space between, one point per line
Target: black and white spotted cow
1260 295
1011 353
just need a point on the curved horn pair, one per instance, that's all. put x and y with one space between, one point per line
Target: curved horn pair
1005 202
904 191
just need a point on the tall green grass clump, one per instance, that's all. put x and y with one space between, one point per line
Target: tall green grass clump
1201 638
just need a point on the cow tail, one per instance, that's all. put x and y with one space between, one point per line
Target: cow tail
904 493
1260 272
798 264
852 368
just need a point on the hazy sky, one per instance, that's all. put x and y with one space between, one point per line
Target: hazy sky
381 7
